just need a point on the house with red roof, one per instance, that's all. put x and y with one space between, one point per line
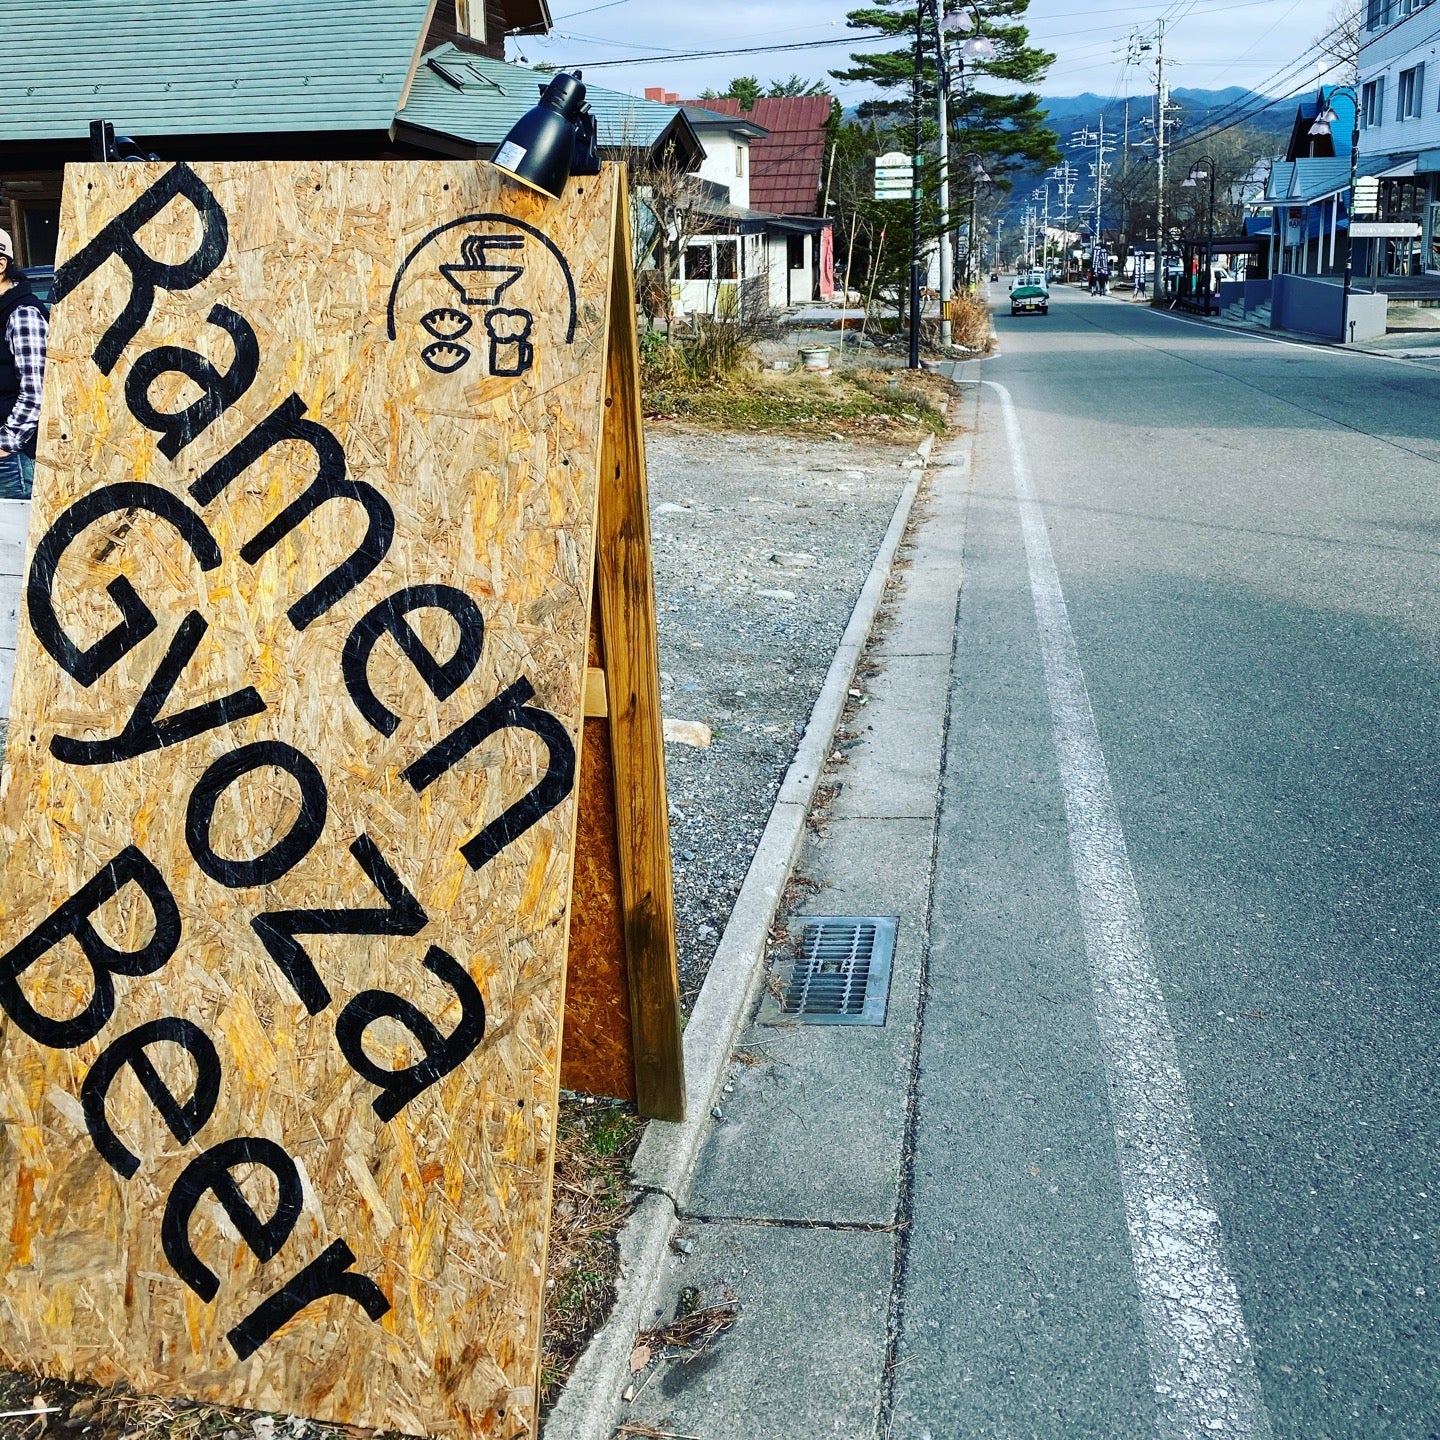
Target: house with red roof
765 235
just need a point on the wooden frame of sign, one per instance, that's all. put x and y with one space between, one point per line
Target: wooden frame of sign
290 803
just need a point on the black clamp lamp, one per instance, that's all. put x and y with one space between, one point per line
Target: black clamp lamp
106 145
553 141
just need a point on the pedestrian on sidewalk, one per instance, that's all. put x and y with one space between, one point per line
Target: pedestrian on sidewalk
24 334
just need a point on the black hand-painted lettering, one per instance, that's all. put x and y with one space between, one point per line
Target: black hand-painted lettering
185 1120
73 919
328 1274
211 1171
218 392
442 1052
444 678
286 852
507 711
286 422
87 666
118 239
277 929
143 731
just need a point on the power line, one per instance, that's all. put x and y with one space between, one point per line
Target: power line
608 5
745 50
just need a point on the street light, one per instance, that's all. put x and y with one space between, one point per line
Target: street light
1189 183
1323 121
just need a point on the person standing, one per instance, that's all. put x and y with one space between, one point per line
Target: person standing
24 334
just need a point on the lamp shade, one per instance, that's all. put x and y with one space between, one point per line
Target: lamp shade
540 147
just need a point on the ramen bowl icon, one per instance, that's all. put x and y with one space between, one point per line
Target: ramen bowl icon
478 279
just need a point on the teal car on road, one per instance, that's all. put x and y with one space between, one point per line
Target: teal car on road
1028 296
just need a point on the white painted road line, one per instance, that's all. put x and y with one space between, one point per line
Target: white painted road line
1201 1362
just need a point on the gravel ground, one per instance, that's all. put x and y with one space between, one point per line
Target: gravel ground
762 545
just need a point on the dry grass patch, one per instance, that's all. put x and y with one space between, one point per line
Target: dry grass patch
898 407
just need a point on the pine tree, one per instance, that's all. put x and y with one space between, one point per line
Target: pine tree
1005 132
744 88
796 85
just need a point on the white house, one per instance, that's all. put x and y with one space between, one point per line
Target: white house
1400 134
728 249
755 238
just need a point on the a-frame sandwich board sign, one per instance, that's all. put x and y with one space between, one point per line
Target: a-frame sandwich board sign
290 799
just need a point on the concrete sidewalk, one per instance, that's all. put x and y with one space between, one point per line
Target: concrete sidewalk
794 1212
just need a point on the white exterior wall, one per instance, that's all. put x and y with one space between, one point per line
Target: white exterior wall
1409 40
719 166
775 260
1400 46
789 287
719 297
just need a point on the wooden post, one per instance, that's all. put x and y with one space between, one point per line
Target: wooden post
626 592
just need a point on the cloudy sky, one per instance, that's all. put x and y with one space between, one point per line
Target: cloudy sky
1214 43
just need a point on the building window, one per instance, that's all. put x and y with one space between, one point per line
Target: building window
795 251
1410 93
699 262
37 232
726 260
470 18
1374 14
740 162
1372 103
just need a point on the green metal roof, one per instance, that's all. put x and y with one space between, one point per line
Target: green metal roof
202 67
476 100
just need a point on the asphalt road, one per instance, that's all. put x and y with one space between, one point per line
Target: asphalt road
1177 1142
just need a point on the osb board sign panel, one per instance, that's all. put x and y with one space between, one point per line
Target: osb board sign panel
289 799
599 1055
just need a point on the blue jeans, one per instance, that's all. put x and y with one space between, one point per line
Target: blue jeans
17 475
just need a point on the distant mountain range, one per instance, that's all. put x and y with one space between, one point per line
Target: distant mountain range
1199 108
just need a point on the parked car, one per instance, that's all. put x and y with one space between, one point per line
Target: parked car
1029 295
41 279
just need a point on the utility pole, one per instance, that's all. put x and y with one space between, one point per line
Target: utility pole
947 255
1100 182
1064 177
1161 100
915 196
1088 139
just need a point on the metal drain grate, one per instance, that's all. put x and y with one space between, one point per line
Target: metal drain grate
842 974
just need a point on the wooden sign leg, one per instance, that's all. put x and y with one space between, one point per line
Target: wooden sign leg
626 585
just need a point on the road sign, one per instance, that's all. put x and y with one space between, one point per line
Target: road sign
1367 195
1385 229
894 176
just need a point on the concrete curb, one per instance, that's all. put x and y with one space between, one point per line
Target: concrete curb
589 1407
